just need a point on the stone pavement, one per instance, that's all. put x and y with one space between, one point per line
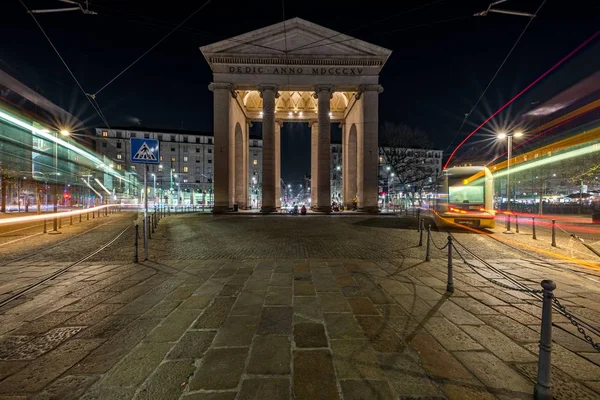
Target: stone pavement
256 328
314 329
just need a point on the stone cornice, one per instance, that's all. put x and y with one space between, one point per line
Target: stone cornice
233 60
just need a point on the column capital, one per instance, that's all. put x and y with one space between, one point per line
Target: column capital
249 122
263 87
368 88
312 122
323 88
279 122
223 86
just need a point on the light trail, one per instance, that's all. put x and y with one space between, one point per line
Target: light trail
539 78
42 217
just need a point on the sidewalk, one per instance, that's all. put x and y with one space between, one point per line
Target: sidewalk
320 329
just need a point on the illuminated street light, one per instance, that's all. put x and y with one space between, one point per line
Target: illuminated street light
509 137
338 168
65 132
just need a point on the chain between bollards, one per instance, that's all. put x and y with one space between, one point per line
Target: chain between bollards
553 233
135 242
542 389
534 237
427 256
450 284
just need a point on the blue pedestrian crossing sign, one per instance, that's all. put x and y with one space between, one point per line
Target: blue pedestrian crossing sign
144 151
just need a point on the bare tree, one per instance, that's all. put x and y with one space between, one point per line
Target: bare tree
403 150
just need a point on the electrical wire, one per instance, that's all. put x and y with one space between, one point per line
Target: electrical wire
467 115
64 62
153 47
310 45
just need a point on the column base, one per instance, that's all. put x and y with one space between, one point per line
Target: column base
220 209
323 209
370 209
268 209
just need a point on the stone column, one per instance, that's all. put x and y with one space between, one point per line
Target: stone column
278 125
369 151
221 112
323 94
269 94
314 134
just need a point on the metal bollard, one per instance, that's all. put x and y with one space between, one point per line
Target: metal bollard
420 232
71 220
135 242
93 214
88 216
427 257
542 389
79 217
45 230
553 233
507 222
148 227
419 220
533 227
59 223
450 284
517 223
152 222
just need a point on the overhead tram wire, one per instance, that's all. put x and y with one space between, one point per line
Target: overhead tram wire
153 47
64 63
160 24
467 115
396 30
310 45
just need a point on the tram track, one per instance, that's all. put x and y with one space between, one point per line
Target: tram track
20 292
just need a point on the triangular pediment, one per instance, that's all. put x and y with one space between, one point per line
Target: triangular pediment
296 38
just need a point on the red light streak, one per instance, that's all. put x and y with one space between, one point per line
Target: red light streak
539 78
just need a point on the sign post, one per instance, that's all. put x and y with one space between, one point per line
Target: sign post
145 151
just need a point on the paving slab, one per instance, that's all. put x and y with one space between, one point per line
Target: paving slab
314 377
220 369
270 355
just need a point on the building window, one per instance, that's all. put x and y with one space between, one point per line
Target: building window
209 151
185 149
173 159
197 140
118 145
209 161
160 158
160 168
255 162
172 148
104 133
120 134
172 169
185 181
185 169
255 143
167 138
198 170
119 166
119 156
197 149
185 159
146 135
104 144
209 140
159 137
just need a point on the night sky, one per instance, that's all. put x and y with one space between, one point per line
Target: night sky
435 74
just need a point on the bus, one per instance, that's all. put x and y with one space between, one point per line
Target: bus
465 196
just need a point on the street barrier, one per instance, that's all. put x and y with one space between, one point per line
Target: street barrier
550 303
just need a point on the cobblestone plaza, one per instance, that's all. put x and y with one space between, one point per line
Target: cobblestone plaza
236 307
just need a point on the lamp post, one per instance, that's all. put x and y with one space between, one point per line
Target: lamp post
56 173
509 137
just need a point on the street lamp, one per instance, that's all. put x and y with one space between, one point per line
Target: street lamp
56 173
509 136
